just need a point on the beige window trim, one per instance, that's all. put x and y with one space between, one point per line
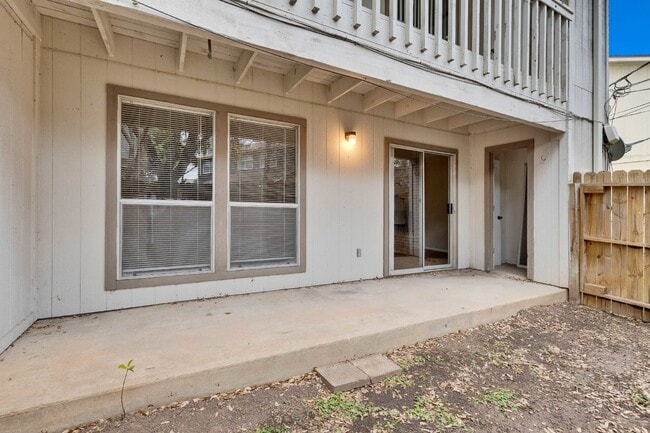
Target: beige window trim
220 166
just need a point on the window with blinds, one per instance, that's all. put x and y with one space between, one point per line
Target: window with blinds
263 206
165 188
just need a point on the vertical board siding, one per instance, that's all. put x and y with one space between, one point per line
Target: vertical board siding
345 185
17 158
66 183
7 29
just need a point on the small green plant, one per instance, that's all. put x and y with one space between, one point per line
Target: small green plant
337 404
398 381
267 429
412 360
503 398
429 411
641 399
129 366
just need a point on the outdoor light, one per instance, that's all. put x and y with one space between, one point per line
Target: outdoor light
351 137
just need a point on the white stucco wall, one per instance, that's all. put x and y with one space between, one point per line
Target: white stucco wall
17 185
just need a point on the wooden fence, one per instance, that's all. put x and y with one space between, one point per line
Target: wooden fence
610 242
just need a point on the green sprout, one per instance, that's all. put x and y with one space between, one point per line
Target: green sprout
129 366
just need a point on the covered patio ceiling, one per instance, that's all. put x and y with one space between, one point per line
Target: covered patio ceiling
405 104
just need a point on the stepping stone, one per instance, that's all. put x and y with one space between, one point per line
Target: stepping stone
342 377
348 375
377 367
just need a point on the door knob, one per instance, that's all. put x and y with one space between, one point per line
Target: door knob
499 217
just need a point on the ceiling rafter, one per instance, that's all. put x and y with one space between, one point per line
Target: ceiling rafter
377 97
182 50
242 66
295 76
409 105
341 86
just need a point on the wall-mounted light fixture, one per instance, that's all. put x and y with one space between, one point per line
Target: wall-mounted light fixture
351 137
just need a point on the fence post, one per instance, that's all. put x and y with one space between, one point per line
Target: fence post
574 227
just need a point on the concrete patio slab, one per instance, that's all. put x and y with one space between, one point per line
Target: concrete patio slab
63 372
343 376
377 367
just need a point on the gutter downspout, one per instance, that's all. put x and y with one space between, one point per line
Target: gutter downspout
600 76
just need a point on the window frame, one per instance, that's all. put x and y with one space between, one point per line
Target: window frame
121 99
295 205
220 192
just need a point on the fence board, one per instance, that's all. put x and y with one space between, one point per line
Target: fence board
610 218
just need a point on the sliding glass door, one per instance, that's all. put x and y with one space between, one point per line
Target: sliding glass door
421 210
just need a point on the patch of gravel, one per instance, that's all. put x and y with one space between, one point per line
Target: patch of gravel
553 369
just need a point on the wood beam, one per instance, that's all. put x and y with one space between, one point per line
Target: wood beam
182 49
376 97
463 119
488 126
434 114
295 76
340 87
409 105
28 15
242 66
105 28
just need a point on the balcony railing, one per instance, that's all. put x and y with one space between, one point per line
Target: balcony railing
517 45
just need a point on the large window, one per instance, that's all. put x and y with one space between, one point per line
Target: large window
166 188
200 191
263 204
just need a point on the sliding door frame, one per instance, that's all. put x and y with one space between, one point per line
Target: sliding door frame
452 155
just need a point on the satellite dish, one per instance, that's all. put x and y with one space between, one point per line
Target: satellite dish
616 150
614 144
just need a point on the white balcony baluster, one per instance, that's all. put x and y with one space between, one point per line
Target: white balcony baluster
516 42
376 11
476 34
356 14
557 57
517 46
534 43
464 32
336 10
498 39
507 41
438 27
543 25
408 22
424 25
392 20
487 37
525 46
451 34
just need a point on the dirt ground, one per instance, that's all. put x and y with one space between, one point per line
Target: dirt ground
549 369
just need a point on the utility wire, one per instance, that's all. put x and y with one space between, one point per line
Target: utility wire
626 76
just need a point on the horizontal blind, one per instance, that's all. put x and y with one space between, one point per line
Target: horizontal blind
166 153
165 239
166 183
263 236
262 161
263 192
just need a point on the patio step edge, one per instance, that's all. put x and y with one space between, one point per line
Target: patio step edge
64 414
